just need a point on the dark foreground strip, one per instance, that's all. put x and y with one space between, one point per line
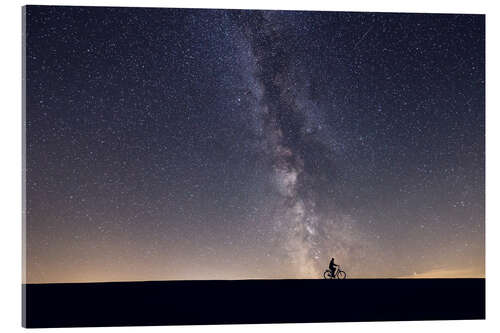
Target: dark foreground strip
251 301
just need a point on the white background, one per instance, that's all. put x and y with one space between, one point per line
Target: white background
10 157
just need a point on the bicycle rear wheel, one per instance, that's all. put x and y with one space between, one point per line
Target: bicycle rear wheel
327 274
341 275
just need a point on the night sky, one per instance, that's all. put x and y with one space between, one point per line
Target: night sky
166 144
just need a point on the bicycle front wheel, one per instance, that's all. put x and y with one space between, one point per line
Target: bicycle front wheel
341 275
327 274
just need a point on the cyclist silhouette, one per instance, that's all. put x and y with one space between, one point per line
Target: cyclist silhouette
332 266
334 271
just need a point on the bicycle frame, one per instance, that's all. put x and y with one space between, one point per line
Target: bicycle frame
337 272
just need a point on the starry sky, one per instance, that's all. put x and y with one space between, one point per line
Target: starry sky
179 144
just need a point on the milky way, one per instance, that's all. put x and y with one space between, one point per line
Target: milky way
307 232
166 144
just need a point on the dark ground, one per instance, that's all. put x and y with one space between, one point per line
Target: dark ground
251 301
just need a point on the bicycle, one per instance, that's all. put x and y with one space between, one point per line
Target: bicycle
339 274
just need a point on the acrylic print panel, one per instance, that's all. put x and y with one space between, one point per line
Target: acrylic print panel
197 166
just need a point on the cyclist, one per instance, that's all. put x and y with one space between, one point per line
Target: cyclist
332 266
